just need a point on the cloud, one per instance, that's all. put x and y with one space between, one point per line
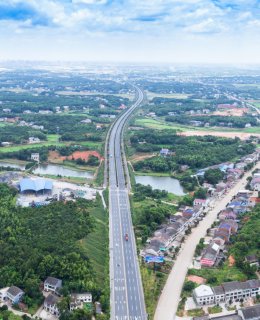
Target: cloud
130 20
89 2
22 12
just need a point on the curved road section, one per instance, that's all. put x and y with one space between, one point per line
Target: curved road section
126 292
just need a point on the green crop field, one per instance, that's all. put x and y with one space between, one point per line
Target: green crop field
52 141
167 95
162 125
96 243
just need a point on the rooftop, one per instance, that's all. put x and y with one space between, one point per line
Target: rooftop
51 299
251 312
52 281
203 290
14 291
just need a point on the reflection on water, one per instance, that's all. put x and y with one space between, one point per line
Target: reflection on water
54 169
162 183
12 165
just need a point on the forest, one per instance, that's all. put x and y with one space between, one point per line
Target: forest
42 242
196 152
247 241
18 135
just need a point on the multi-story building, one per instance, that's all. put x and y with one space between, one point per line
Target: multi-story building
227 292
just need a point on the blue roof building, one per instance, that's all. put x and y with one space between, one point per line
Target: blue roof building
35 185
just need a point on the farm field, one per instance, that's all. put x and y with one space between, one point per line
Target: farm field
52 141
189 130
96 243
152 95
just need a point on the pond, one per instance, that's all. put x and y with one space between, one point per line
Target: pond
11 165
53 169
162 183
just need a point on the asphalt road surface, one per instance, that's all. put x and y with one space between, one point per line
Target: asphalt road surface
126 292
169 299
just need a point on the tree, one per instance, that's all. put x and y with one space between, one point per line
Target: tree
213 176
188 286
201 193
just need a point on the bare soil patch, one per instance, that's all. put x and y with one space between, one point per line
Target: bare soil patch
141 156
241 135
55 157
235 112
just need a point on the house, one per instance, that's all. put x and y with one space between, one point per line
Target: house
184 167
98 308
248 125
78 300
227 292
52 284
240 165
200 202
227 215
203 295
253 201
5 143
255 183
253 260
6 110
188 213
37 127
219 294
35 157
250 313
196 123
86 121
164 152
209 255
45 112
51 304
151 114
34 140
14 294
3 294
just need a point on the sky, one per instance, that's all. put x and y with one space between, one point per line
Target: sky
138 31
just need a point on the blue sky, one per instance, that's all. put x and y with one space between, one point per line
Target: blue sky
185 31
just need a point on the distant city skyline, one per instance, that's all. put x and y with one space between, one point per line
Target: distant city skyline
160 31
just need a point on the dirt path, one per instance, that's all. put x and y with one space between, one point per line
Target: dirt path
169 299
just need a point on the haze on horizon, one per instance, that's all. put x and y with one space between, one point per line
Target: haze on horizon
174 31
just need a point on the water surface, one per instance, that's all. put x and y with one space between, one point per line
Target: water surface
162 183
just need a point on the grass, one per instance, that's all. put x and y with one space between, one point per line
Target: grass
78 180
74 165
215 309
153 174
160 124
52 141
153 124
153 282
196 312
100 175
151 95
220 275
96 243
9 315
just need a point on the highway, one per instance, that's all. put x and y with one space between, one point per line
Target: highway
126 291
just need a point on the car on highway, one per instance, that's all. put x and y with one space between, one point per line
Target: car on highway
126 237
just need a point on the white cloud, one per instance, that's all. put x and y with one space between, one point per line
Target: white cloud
89 1
141 27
